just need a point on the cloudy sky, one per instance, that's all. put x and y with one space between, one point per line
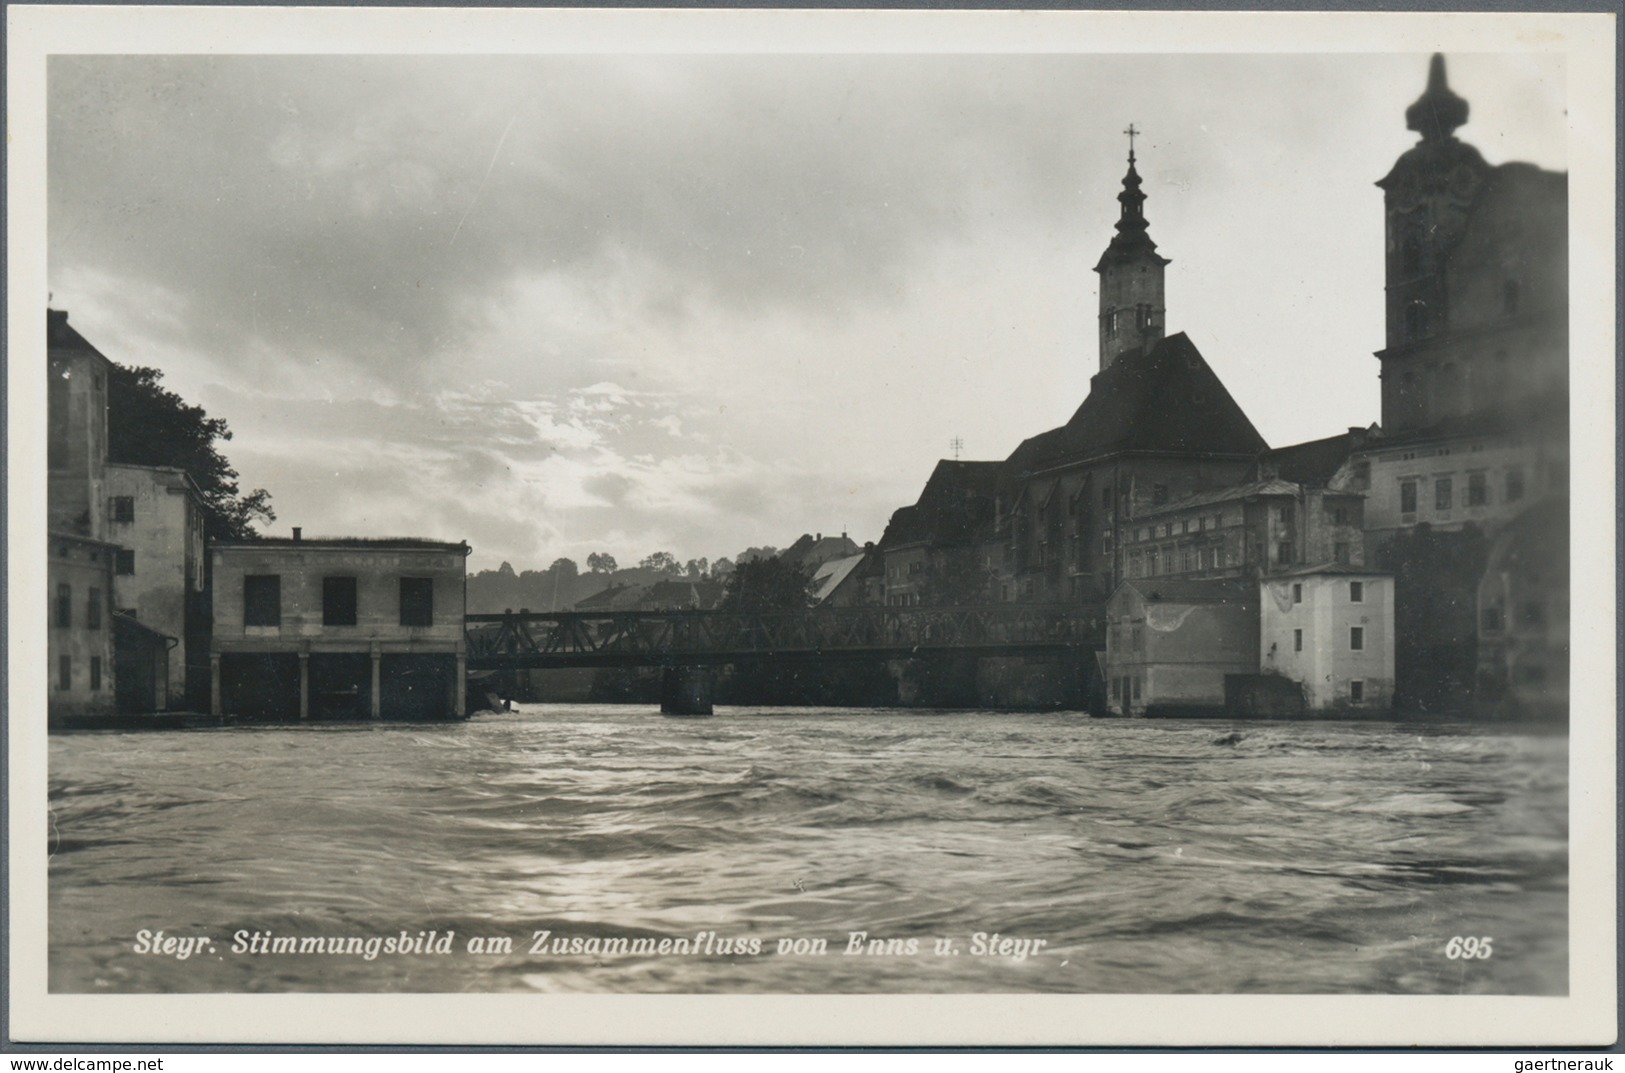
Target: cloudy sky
563 304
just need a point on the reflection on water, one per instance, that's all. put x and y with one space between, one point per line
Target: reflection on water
1148 856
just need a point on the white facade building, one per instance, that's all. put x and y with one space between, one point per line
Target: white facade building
1330 629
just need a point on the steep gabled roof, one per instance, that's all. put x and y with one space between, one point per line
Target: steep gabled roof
953 506
1166 399
1313 463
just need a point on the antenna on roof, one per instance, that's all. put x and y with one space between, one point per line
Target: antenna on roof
957 444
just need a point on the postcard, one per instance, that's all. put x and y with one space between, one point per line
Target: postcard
598 527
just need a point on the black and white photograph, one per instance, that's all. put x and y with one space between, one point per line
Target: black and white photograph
1071 511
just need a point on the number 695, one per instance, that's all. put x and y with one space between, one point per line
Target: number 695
1470 946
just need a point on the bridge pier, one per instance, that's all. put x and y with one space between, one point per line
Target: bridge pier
685 691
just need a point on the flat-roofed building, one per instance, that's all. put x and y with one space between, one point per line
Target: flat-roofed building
338 628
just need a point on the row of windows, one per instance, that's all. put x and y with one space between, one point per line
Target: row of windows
262 600
1444 491
1356 592
64 673
1188 525
1356 639
64 607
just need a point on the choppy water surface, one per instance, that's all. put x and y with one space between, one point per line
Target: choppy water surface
1149 856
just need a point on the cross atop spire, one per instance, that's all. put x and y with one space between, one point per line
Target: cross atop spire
1131 132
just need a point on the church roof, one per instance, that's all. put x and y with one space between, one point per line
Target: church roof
1166 399
956 503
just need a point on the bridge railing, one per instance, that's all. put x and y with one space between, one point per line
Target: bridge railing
561 638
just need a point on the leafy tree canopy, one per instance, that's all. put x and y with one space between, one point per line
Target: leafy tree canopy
149 425
564 568
768 585
663 561
601 562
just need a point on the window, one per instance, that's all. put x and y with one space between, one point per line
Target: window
64 672
1106 498
1478 490
1340 551
1490 620
1151 563
1159 494
1356 592
262 600
1136 685
1514 485
338 601
1189 560
1297 640
1356 692
1357 638
1117 688
124 508
1340 516
417 601
1443 495
124 562
95 673
93 610
1283 552
1407 497
64 606
1362 473
1297 592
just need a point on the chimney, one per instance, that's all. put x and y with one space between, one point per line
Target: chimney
297 533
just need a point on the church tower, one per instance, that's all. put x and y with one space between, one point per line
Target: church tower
1132 315
1427 198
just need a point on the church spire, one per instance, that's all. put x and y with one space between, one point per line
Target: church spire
1438 111
1131 288
1131 222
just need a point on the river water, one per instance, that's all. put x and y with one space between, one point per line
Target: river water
1147 856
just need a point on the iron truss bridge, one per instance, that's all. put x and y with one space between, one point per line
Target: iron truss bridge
523 640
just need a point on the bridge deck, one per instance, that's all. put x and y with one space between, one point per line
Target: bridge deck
692 638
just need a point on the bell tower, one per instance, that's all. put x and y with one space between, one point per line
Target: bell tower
1132 314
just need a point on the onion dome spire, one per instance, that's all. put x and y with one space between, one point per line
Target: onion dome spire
1437 112
1131 219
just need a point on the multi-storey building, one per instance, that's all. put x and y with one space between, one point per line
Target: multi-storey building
338 629
155 514
1330 629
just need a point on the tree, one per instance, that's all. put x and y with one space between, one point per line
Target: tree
149 425
766 552
663 561
722 567
563 569
768 585
600 562
698 568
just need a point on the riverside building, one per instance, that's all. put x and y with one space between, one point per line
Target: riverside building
345 628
